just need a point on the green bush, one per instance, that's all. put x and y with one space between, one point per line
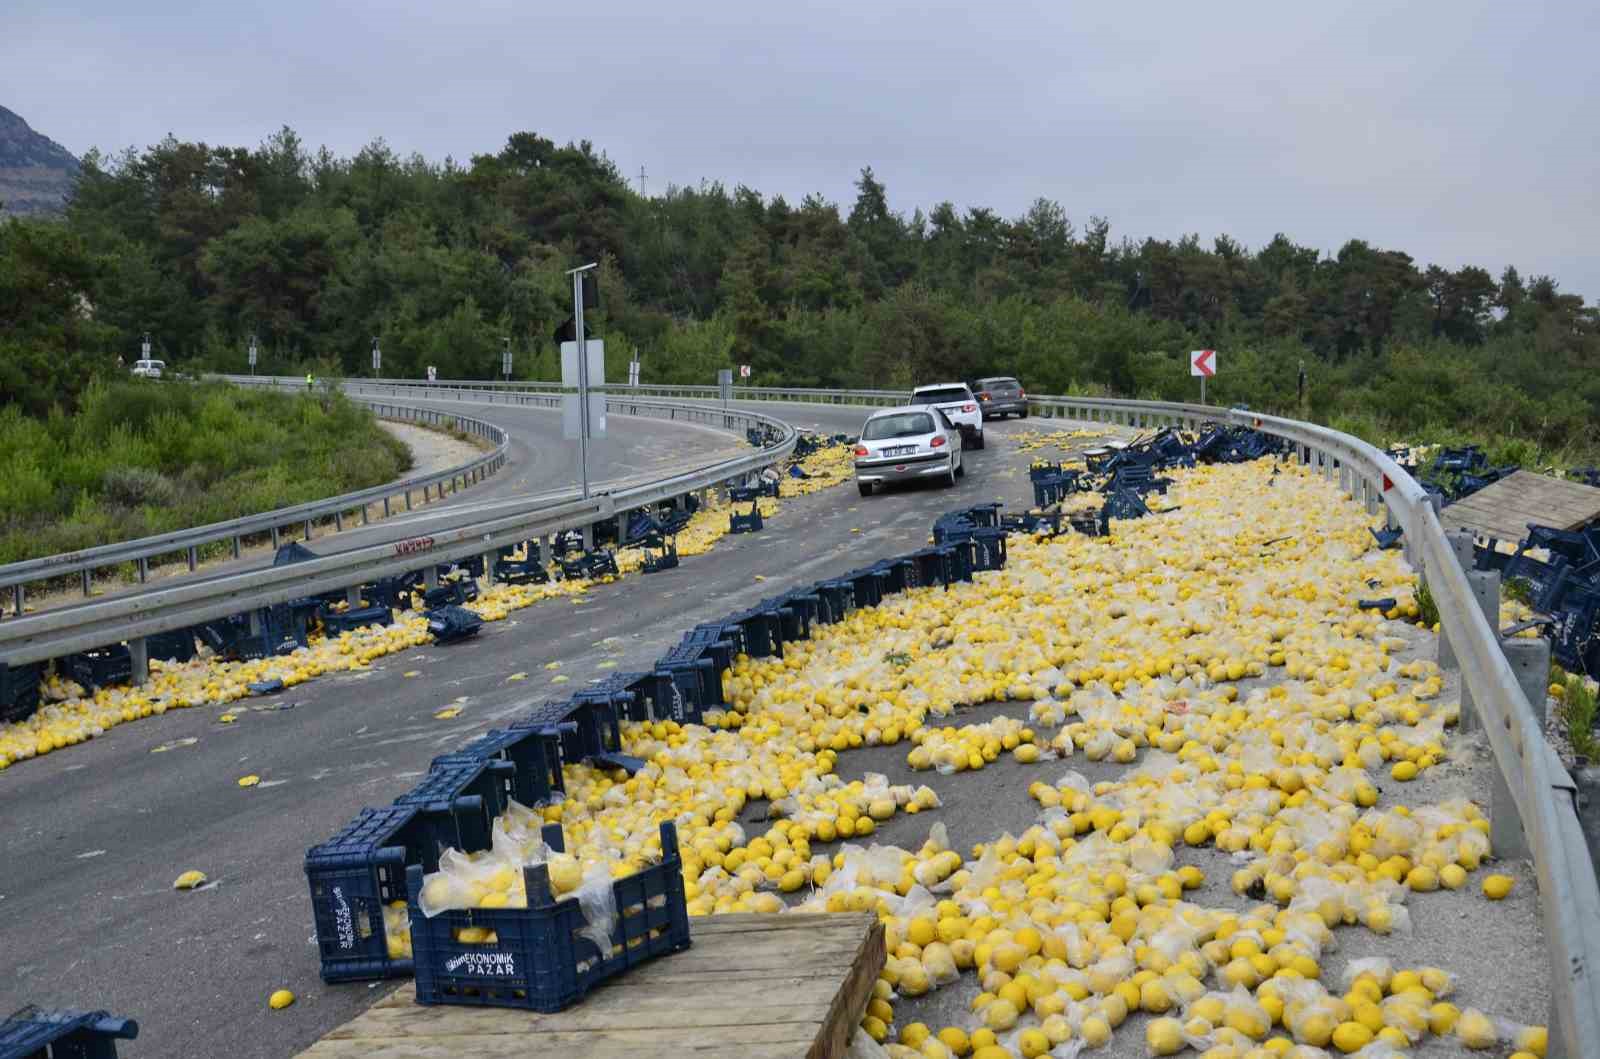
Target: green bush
139 459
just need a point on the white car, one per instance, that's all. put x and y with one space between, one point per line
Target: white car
149 369
906 444
956 402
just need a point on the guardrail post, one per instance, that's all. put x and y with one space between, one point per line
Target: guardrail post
16 599
1530 663
352 596
194 557
84 577
622 527
237 547
274 538
489 559
308 529
430 575
139 659
588 536
144 569
255 622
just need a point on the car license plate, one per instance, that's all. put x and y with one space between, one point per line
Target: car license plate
899 450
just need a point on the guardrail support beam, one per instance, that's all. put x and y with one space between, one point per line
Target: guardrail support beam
489 559
430 575
139 659
1530 664
352 596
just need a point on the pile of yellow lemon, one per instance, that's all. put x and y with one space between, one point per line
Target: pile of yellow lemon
1034 440
1144 649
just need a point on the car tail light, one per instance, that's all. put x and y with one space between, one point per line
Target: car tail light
861 450
938 439
1022 393
969 408
984 396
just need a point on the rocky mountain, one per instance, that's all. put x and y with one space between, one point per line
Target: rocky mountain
36 173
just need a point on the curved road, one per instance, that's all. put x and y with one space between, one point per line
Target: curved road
95 834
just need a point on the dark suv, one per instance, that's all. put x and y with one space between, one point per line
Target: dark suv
1001 396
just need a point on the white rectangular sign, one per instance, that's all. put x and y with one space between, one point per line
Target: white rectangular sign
595 348
1203 362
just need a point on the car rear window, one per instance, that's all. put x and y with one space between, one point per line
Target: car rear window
999 384
941 394
899 425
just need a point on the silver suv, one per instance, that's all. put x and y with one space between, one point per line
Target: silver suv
956 402
906 444
149 369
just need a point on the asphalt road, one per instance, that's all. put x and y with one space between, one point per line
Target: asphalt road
94 835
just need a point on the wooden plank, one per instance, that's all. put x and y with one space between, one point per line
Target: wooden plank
751 986
735 1004
850 1002
622 1044
1504 509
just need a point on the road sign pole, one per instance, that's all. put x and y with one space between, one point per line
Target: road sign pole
583 379
1202 389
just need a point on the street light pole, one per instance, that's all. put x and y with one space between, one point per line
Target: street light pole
583 372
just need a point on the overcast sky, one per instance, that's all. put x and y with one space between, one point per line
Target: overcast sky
1460 132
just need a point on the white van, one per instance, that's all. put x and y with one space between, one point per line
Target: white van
149 369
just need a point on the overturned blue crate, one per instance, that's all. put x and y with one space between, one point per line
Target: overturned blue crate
355 874
451 593
452 624
478 790
750 522
868 585
42 1033
540 959
595 734
520 572
836 598
666 559
585 565
763 631
336 622
1575 634
535 753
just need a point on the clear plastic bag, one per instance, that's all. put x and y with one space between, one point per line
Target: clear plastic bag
598 901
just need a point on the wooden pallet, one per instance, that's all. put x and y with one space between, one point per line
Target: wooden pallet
751 987
1503 509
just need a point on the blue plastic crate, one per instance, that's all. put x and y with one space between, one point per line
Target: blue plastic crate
868 585
538 959
38 1033
174 646
837 598
358 871
102 667
763 632
336 622
535 753
454 783
19 690
453 624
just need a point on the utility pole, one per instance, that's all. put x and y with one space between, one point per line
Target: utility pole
252 354
641 182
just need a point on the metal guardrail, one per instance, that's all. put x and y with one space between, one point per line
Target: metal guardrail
14 577
132 616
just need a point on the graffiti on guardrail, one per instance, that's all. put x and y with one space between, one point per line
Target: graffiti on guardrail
413 545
